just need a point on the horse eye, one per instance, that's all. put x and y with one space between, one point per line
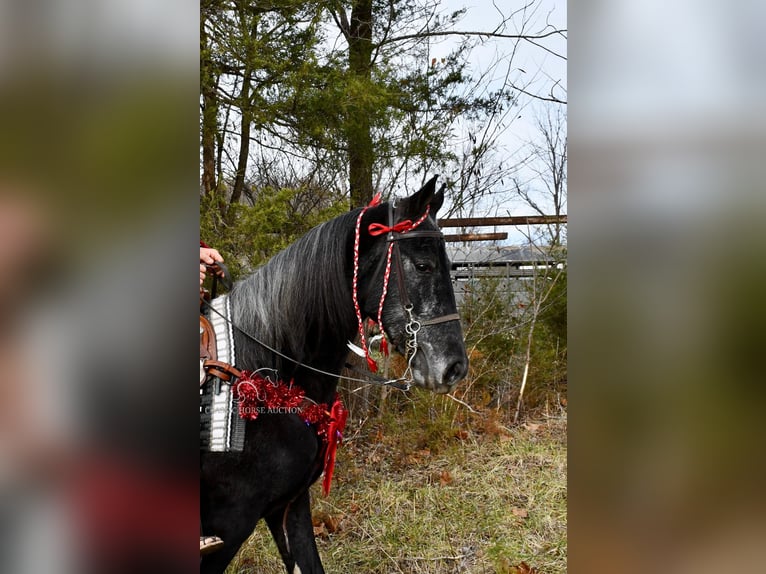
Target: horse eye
424 267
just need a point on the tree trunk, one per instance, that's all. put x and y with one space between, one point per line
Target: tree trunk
209 115
358 128
250 23
244 138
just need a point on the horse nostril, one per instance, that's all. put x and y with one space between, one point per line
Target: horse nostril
455 373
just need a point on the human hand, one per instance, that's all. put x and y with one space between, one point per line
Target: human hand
207 256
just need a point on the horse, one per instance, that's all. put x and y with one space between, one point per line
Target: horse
304 306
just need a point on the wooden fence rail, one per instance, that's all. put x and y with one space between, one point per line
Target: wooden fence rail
496 221
475 236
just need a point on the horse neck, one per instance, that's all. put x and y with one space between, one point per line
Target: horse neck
300 304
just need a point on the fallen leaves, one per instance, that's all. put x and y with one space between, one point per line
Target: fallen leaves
532 427
523 568
475 354
520 512
443 478
461 434
325 524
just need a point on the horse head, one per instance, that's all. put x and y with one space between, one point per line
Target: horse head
405 284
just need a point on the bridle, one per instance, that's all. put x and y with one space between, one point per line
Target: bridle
406 229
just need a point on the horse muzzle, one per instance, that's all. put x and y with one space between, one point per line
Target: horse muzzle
437 370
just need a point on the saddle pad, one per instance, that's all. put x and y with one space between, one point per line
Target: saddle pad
221 427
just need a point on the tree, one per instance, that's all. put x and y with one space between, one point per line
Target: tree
351 89
249 55
209 75
547 161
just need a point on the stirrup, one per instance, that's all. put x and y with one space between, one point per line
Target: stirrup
208 544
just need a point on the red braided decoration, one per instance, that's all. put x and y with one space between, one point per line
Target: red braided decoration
354 286
378 229
386 276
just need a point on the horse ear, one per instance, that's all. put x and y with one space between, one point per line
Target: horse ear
412 207
438 200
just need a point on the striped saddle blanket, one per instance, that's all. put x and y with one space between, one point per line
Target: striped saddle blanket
221 427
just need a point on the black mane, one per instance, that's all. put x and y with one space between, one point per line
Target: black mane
299 301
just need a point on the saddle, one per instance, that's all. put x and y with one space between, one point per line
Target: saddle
208 355
209 365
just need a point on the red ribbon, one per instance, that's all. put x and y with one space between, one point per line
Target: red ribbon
338 414
376 229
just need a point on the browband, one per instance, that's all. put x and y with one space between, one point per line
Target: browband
394 236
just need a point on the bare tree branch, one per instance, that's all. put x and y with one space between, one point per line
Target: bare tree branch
467 33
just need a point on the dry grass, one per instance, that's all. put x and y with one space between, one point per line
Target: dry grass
438 494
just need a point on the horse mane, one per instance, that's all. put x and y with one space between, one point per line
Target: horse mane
298 301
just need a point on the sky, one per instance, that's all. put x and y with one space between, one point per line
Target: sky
540 68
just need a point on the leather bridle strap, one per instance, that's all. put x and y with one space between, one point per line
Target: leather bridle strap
221 274
396 259
442 319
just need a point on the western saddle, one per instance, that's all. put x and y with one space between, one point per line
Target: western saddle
209 365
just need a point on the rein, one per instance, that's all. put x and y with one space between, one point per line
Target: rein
401 383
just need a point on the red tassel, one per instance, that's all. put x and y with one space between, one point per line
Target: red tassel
375 200
338 415
371 364
384 346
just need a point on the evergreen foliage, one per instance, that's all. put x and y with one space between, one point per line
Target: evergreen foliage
344 91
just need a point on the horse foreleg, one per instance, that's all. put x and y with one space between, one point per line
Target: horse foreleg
234 522
294 534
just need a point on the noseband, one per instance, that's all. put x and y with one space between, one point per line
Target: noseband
403 230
